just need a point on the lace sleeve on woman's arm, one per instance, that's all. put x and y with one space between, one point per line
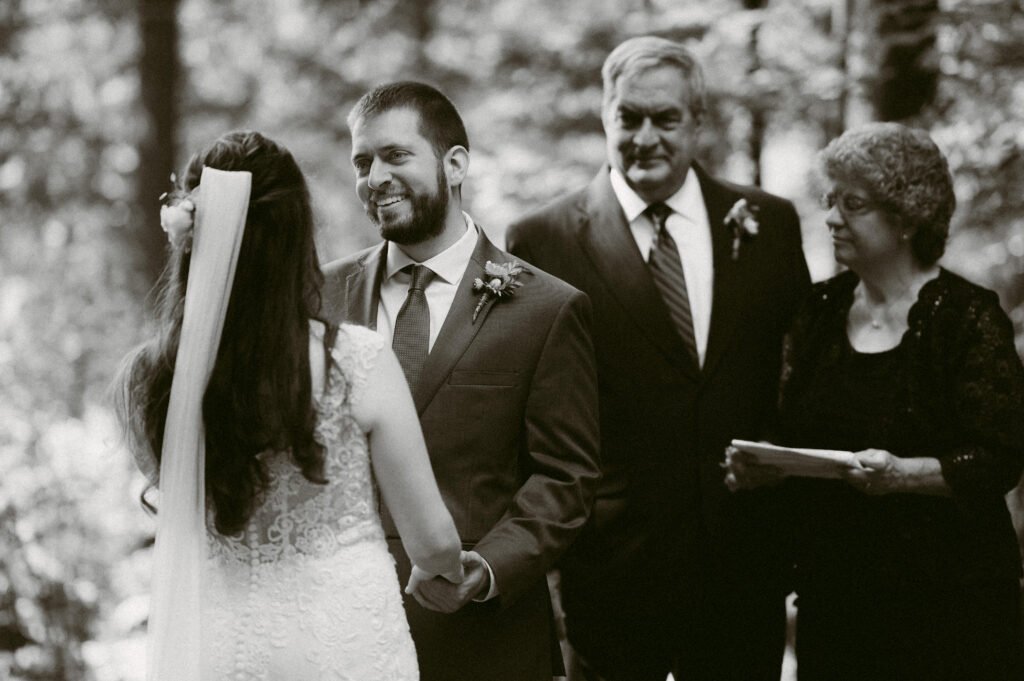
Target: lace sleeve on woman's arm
786 374
989 402
355 352
806 331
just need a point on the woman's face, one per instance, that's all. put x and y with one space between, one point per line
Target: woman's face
863 233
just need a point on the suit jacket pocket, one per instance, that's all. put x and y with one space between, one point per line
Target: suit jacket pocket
492 379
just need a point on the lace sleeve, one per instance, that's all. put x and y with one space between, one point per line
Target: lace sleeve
355 354
989 400
790 343
807 343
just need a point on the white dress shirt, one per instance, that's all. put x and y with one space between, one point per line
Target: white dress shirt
448 266
688 226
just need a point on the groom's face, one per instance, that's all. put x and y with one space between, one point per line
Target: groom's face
399 179
650 130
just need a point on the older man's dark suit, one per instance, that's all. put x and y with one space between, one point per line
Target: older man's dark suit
508 406
671 565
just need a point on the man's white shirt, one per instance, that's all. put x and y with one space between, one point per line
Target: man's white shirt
689 228
448 267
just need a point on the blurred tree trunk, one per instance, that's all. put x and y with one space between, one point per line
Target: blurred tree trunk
908 68
895 59
758 124
159 85
859 60
422 28
758 115
839 30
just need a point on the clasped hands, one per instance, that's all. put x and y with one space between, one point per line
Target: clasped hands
880 471
449 592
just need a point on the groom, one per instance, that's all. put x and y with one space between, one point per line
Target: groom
501 368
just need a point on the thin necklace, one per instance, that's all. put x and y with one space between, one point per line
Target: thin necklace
916 283
883 311
876 322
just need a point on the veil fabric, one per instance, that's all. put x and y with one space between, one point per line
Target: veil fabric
174 621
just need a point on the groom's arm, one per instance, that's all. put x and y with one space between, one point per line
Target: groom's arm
560 444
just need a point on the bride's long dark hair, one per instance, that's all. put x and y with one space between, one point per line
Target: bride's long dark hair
259 396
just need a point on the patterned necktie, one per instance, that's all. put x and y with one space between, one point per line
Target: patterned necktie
412 325
667 273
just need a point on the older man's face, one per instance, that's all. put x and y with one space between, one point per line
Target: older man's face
651 134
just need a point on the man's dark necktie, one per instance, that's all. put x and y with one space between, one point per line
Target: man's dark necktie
667 273
412 325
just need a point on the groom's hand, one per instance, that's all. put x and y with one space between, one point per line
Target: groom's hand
442 596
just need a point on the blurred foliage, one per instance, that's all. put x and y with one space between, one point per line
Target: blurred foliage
979 120
74 543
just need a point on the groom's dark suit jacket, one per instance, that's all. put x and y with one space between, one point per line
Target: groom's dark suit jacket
508 406
663 519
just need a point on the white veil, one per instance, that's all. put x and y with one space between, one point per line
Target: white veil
174 619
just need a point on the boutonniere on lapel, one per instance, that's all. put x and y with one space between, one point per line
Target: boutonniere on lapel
742 220
500 281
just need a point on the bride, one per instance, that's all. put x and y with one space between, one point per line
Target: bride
270 441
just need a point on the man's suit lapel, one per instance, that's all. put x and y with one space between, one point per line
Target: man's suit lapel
362 288
605 237
459 328
727 295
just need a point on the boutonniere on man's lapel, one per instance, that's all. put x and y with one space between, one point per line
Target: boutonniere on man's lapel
500 281
742 220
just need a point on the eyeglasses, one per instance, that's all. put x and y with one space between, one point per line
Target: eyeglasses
849 204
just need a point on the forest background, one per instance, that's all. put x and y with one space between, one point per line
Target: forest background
100 100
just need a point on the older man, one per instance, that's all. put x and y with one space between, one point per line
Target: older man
694 282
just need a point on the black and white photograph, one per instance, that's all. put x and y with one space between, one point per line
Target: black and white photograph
520 340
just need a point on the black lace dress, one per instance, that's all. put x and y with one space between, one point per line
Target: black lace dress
908 586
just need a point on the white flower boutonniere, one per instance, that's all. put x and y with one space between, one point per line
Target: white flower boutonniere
742 220
177 217
501 281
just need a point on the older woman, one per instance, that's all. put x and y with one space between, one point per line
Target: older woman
908 568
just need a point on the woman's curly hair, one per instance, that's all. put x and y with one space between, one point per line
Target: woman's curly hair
904 172
259 396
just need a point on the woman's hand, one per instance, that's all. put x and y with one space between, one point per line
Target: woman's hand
742 471
885 473
880 473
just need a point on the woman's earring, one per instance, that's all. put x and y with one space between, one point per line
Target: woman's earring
905 236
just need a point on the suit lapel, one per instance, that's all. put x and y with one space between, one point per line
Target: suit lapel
727 295
606 239
362 288
458 329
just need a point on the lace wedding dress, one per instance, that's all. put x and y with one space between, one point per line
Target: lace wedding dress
308 590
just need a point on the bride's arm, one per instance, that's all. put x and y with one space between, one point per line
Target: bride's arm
403 471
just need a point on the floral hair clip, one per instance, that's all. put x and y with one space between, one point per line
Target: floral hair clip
177 216
742 220
502 281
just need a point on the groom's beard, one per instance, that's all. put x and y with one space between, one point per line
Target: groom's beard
426 219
